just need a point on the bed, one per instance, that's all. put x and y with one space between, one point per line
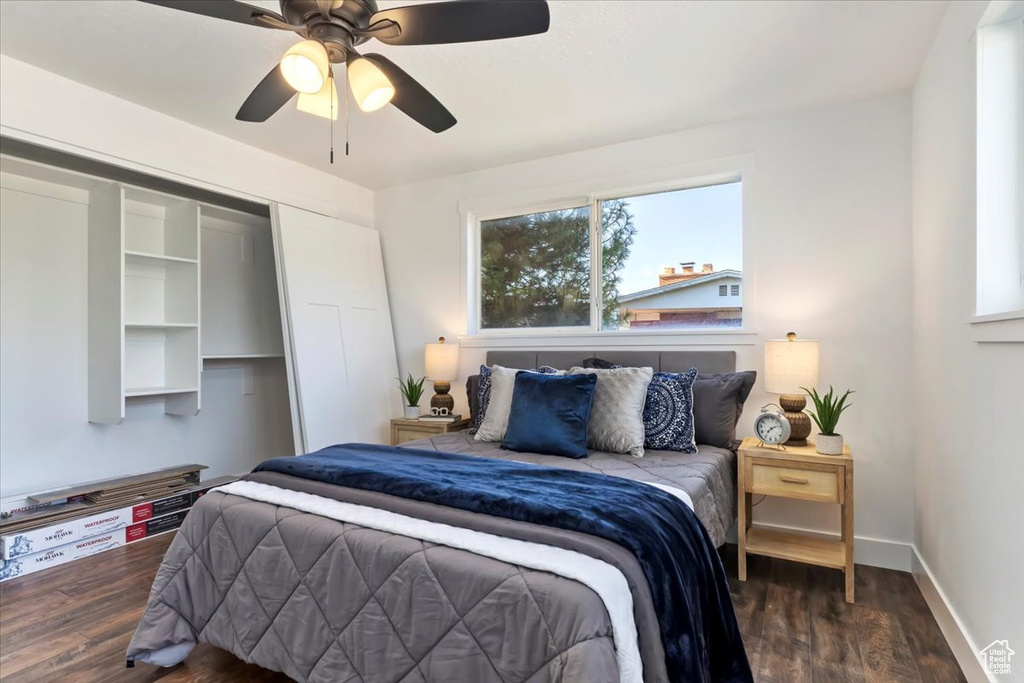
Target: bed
451 560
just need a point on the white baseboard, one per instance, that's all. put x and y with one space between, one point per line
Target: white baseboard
964 648
873 552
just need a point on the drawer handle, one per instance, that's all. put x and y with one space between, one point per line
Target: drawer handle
793 480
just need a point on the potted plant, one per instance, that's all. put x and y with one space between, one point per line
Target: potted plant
412 391
827 410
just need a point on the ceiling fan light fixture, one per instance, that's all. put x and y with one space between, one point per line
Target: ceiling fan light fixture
370 87
306 67
323 103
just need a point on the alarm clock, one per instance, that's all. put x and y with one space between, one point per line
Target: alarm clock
772 428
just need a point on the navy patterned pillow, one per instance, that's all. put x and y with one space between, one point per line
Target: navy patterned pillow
484 391
668 412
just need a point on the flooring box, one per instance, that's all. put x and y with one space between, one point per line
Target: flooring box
34 541
29 564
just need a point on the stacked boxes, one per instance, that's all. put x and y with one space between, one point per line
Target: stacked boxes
27 552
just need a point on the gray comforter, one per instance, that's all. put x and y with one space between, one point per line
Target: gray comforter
323 600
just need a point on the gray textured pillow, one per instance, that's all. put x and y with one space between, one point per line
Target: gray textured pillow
717 404
617 414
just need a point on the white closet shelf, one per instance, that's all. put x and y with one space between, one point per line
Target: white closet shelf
160 326
158 391
241 356
143 256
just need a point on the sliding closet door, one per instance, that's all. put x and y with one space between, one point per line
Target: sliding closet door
339 346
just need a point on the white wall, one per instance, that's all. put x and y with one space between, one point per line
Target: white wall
45 438
827 253
968 426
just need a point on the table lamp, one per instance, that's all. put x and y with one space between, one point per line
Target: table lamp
441 363
790 364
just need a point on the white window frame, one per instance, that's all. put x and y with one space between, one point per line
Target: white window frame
990 323
591 193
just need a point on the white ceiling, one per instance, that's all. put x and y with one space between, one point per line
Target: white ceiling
607 71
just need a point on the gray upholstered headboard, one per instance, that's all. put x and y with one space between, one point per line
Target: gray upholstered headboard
706 362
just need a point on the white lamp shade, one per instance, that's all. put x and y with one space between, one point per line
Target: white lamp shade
441 362
323 103
306 66
790 364
369 85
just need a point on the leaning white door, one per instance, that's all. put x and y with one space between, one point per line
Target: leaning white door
339 347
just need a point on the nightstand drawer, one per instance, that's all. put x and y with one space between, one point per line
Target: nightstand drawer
404 433
820 483
403 430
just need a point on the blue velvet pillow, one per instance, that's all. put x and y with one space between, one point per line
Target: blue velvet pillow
483 398
668 412
550 413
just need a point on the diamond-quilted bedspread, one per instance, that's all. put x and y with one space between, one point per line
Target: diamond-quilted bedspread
324 600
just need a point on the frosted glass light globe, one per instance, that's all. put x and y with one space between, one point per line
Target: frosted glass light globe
305 66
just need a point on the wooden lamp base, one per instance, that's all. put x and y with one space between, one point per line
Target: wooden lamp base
793 405
442 399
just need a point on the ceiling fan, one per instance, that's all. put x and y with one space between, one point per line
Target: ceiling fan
333 28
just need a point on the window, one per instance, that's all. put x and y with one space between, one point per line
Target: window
1000 121
535 270
541 270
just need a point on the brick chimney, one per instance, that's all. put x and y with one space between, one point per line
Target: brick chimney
707 269
669 275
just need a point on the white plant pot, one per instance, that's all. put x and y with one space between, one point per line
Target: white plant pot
829 444
412 412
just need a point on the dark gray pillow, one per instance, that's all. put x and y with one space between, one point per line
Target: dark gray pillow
600 364
473 394
717 405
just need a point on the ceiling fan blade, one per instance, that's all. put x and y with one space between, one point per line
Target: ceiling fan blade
220 9
413 99
271 94
464 21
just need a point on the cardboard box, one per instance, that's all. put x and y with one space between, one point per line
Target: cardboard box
87 547
35 541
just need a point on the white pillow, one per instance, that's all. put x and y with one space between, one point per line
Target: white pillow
495 422
617 414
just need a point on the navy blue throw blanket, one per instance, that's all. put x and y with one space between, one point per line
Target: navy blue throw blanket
691 594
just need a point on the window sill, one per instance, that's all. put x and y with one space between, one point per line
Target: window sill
998 328
540 338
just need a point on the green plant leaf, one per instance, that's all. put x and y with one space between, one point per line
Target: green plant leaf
412 389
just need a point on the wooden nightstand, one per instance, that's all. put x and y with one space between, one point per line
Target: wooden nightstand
403 430
797 472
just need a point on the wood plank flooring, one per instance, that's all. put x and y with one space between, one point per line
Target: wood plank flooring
73 623
797 626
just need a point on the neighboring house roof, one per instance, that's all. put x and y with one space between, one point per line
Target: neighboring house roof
682 284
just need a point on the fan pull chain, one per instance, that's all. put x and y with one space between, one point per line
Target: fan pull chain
334 84
346 113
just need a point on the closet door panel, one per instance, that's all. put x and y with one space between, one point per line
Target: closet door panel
339 345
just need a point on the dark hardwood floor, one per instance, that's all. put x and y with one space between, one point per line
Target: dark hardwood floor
797 626
73 623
